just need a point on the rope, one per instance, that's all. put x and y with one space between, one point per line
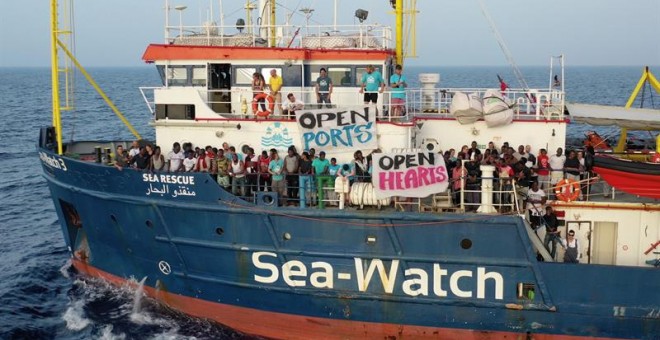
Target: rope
341 222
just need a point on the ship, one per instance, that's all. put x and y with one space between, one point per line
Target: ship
400 256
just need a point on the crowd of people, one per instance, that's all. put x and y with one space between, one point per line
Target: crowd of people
302 178
242 173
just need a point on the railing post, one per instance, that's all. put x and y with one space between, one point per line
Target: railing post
486 206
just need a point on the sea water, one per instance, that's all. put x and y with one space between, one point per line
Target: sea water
41 297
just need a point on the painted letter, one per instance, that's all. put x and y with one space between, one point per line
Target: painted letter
438 273
453 283
482 276
422 281
291 269
387 280
322 279
267 266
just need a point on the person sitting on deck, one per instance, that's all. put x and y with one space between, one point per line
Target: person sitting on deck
292 105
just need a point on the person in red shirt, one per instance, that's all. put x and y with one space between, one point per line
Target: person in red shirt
543 169
264 175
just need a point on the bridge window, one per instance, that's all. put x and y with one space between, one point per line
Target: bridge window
177 75
243 75
199 76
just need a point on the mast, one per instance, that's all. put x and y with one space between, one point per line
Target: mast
398 11
273 30
54 75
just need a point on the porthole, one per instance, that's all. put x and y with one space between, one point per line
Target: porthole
149 224
466 243
219 231
113 218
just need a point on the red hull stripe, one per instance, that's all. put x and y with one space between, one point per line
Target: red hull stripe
157 52
287 326
632 183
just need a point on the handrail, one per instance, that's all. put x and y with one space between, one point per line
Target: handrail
374 36
417 101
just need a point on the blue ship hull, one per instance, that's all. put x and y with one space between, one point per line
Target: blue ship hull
301 273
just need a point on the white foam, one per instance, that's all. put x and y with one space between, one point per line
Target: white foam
75 316
65 269
106 334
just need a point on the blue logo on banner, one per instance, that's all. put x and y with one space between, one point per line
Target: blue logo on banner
277 136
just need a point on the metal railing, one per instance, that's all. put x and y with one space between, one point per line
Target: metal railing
531 105
374 36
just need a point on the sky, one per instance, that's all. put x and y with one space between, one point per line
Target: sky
450 32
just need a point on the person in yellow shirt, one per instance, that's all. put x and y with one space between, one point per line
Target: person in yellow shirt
275 83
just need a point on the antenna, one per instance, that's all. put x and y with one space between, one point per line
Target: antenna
505 50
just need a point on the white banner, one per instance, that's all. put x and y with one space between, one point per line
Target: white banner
409 174
338 129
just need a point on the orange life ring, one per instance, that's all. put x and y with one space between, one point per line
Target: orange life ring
567 190
267 111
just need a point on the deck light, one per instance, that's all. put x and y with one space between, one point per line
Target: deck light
361 14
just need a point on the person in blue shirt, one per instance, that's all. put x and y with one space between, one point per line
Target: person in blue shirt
372 84
398 85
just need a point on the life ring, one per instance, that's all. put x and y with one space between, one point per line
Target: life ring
267 111
567 190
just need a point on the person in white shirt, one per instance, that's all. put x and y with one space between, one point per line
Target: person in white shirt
175 158
291 105
556 163
135 149
535 200
189 162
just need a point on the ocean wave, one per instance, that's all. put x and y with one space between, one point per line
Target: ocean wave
75 316
107 334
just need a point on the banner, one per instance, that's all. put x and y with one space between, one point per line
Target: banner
409 174
338 129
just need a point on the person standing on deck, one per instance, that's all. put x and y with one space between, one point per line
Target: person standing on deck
572 246
323 89
398 85
551 232
557 167
276 170
175 158
275 84
543 169
372 84
535 200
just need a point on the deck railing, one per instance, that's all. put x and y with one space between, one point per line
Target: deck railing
530 105
372 36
